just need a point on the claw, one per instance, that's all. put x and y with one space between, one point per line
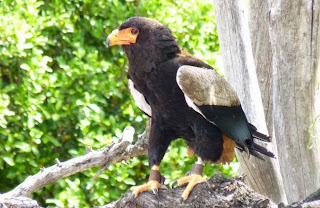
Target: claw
151 185
132 195
174 184
155 192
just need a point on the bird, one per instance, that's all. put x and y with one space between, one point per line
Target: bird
185 98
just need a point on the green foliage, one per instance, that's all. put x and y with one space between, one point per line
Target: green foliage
62 89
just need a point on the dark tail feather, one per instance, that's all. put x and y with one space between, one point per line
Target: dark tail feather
256 154
249 151
262 150
258 135
255 150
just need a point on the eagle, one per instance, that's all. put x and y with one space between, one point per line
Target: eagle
185 98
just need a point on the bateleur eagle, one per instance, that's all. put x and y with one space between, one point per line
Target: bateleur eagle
185 98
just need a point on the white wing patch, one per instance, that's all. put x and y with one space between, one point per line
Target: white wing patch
139 99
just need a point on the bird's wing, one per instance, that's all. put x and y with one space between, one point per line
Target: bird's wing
210 95
139 99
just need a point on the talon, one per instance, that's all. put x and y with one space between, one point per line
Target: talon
174 184
155 192
132 195
135 191
163 187
151 185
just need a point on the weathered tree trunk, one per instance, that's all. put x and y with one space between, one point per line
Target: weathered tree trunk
295 40
284 55
262 53
239 67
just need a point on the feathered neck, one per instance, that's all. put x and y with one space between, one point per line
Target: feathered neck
145 56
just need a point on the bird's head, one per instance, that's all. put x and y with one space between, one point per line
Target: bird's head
141 34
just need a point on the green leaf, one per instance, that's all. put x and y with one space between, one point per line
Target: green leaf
9 161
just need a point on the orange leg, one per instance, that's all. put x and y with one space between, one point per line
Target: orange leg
193 179
153 183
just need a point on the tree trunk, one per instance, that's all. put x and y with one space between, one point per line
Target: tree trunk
239 67
262 53
285 55
295 41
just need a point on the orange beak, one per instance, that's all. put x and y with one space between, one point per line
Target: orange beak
121 37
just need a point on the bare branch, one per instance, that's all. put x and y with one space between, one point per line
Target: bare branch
18 202
123 150
217 192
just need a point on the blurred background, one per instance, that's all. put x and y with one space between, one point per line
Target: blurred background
62 90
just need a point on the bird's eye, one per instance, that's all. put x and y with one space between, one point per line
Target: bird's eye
134 31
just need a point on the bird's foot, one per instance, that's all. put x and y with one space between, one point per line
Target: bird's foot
155 183
194 178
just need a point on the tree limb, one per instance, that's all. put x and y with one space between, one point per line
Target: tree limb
20 201
116 152
217 192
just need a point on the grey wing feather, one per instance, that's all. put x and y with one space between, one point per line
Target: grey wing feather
205 87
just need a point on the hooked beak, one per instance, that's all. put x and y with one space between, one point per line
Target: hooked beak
121 37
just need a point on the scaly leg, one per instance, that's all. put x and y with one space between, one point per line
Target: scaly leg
155 182
195 177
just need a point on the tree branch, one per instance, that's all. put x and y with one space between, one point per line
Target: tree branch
217 192
116 152
18 202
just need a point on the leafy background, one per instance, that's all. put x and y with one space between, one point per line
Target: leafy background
62 90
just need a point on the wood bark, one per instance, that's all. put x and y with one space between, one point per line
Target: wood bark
240 71
283 51
217 192
16 202
258 22
295 42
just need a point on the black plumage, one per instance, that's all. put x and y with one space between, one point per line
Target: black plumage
154 60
